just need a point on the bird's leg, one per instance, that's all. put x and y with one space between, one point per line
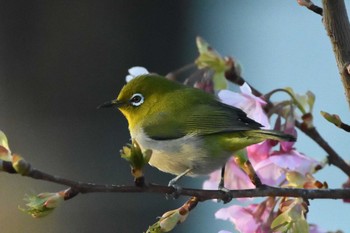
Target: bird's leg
222 188
222 179
173 184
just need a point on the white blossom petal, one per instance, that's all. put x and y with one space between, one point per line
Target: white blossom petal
135 71
245 89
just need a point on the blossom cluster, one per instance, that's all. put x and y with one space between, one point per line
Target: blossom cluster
276 163
37 205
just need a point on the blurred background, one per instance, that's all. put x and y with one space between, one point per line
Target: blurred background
61 59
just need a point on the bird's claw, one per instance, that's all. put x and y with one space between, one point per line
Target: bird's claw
176 193
177 188
172 182
227 195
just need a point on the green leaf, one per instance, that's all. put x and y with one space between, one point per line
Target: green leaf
281 222
3 140
155 228
292 218
219 81
133 154
210 58
42 204
310 100
295 179
169 220
5 152
300 226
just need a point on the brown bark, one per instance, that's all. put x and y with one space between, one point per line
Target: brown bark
337 25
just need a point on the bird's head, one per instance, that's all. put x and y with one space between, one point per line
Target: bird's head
143 95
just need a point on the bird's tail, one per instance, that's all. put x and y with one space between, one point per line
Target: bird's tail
273 135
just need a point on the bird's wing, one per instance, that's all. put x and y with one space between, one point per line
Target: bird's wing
219 118
201 120
164 126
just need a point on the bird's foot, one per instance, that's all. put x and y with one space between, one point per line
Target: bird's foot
221 185
177 189
172 183
227 194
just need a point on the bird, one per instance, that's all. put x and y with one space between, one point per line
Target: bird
189 131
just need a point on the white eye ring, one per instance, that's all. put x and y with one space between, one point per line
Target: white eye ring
137 99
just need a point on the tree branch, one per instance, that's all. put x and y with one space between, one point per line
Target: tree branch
345 127
202 195
337 25
333 157
335 119
311 6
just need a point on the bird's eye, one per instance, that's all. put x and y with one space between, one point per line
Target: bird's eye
136 99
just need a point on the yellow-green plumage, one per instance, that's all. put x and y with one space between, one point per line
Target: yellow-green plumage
186 128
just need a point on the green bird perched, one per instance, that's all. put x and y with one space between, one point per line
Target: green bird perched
189 131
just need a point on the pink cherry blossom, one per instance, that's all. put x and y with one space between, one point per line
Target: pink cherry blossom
269 172
248 219
234 177
249 103
289 129
260 151
272 170
294 160
315 229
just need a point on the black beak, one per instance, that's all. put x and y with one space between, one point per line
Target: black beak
111 103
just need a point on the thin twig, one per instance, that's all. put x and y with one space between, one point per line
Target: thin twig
335 119
311 6
202 195
333 157
345 127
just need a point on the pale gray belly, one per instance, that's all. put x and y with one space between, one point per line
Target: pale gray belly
178 155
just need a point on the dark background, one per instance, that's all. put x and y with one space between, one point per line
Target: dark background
61 59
